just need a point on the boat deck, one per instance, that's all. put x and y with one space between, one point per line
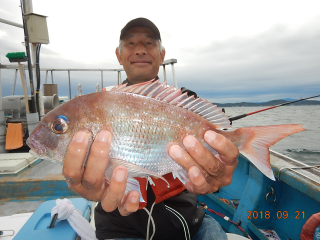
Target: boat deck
38 181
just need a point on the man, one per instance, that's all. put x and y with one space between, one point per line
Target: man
175 216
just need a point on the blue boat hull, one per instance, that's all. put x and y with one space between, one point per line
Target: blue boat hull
283 206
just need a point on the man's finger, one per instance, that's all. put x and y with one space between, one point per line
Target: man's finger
181 156
197 182
73 163
116 189
203 157
228 152
203 162
93 176
129 203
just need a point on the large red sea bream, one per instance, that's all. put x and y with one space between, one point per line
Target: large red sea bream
145 120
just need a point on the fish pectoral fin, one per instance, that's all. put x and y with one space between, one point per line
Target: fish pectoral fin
182 175
133 185
133 170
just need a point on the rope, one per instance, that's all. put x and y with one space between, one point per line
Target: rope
81 226
182 220
153 224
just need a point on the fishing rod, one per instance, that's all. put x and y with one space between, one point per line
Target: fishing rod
204 206
265 109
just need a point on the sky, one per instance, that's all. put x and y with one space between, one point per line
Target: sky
227 51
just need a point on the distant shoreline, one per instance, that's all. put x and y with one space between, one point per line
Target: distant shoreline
270 103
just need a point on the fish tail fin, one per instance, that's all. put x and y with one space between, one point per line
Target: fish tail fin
255 142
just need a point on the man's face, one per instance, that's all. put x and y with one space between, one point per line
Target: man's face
140 55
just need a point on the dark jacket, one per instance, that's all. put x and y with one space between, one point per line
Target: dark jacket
167 224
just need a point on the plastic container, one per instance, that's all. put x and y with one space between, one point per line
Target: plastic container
37 225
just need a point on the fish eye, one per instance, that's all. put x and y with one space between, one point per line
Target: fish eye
60 125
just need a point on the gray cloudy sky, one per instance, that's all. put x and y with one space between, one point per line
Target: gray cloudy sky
227 51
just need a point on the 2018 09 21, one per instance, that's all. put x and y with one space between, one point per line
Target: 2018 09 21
279 215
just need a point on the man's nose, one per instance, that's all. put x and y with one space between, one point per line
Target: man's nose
141 50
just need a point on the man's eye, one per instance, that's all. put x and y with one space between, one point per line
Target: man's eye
130 43
149 43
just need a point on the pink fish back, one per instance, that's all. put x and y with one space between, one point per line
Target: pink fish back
172 96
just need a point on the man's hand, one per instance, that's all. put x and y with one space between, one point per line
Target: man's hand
207 172
90 182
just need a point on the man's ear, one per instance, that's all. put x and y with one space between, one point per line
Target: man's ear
162 54
118 56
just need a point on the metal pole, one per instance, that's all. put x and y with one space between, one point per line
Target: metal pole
26 7
164 72
24 76
34 60
101 79
24 87
46 77
0 94
79 90
51 77
14 82
118 77
69 85
174 76
11 23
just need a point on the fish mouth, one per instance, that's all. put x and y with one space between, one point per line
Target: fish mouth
36 148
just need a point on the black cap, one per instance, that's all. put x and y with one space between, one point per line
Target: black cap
140 22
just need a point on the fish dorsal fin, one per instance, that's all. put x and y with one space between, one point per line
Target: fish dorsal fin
163 92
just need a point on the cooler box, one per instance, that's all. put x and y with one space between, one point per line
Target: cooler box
37 225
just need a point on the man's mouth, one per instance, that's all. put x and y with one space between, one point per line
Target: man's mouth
141 62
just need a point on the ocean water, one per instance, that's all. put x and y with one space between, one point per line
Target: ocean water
302 146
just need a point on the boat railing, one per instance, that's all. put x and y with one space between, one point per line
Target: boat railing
102 70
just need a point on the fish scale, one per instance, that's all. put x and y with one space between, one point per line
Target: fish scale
145 145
